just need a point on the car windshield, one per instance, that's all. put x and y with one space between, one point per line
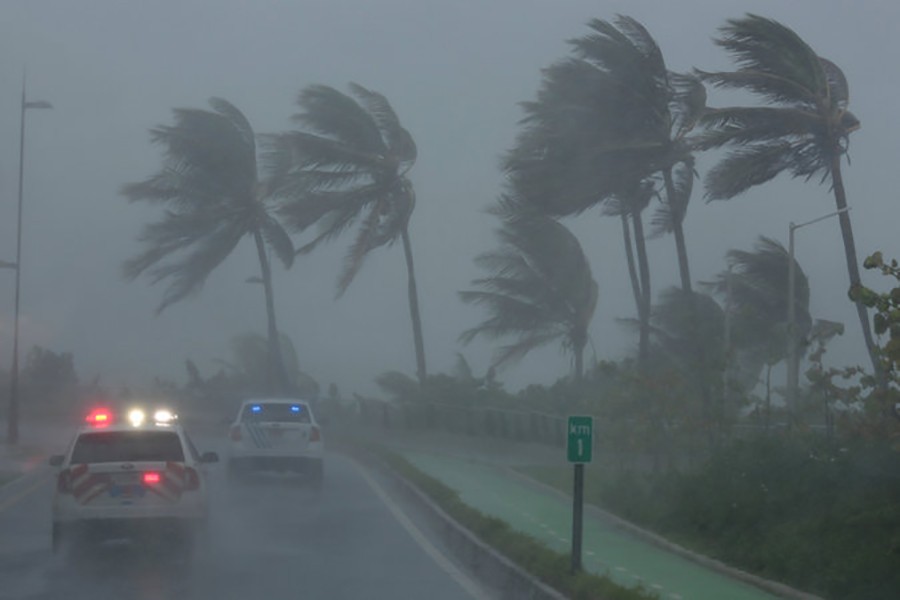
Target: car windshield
276 413
127 446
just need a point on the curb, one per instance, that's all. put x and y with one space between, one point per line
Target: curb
779 589
486 564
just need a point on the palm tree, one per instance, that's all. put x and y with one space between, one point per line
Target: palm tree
755 292
804 129
540 289
349 163
248 367
210 187
609 124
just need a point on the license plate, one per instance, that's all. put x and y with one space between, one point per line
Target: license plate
126 491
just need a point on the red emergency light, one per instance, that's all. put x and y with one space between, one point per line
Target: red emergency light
99 417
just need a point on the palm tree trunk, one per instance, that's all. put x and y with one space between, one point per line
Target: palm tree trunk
278 380
840 198
629 258
678 230
579 363
644 304
421 371
686 286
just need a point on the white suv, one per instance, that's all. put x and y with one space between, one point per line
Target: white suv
276 434
129 478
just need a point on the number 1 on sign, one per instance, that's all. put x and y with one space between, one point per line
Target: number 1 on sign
580 447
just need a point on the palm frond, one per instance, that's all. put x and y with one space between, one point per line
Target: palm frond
209 187
740 125
838 88
399 141
278 239
539 287
745 168
763 45
334 115
674 209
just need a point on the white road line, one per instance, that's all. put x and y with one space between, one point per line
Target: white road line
16 498
436 555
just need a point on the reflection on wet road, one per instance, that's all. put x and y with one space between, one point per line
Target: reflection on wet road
270 538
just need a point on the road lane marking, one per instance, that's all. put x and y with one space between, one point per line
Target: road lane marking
16 498
466 582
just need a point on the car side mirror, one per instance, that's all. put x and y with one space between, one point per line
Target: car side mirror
56 460
209 457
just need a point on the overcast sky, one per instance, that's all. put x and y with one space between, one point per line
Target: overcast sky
454 72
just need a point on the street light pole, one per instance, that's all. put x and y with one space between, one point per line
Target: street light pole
12 419
793 367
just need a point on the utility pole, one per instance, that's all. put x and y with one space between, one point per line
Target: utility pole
793 371
12 419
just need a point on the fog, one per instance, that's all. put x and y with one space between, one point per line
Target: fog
454 72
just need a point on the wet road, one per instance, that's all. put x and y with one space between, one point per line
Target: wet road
271 538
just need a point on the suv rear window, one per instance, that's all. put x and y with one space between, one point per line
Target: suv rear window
271 412
127 446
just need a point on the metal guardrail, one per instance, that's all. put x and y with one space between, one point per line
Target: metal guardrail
503 423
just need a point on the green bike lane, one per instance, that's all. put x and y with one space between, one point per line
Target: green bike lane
607 549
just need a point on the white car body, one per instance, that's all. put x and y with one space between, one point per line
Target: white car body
276 434
122 480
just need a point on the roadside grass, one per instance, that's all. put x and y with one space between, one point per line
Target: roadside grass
817 517
551 567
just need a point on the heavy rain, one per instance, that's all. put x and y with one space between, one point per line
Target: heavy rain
401 300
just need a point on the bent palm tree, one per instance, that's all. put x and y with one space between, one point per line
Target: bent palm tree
540 289
608 124
350 163
213 198
804 131
755 290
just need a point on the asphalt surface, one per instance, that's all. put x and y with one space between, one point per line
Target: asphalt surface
271 537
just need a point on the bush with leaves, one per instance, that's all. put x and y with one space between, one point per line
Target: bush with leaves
885 321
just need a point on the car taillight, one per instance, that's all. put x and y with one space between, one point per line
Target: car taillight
236 433
191 479
63 484
151 478
314 435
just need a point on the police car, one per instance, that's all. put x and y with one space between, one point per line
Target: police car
276 434
130 476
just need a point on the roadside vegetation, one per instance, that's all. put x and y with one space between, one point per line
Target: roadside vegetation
551 567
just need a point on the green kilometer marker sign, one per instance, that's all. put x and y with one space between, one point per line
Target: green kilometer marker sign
580 438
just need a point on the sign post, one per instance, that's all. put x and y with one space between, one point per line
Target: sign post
579 450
